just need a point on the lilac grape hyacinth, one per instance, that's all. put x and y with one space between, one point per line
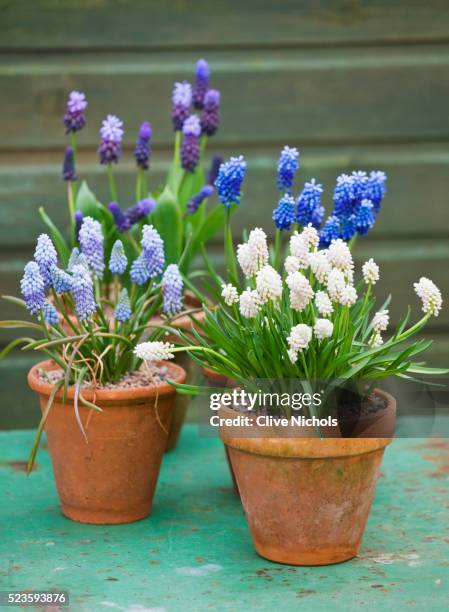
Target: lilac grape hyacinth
123 309
284 213
139 272
198 199
76 258
74 118
287 166
121 220
32 287
210 119
91 243
202 74
190 148
215 164
181 102
111 133
140 210
229 180
61 281
118 261
83 293
50 313
142 152
172 287
68 168
153 250
309 205
46 257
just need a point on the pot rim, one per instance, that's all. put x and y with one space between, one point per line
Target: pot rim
307 447
177 373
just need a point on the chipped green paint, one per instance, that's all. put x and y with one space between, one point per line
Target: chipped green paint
195 553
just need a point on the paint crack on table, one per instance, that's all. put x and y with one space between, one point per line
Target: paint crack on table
195 552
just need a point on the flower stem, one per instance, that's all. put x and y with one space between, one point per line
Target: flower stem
71 199
111 180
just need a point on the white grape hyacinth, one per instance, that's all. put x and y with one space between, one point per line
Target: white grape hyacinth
323 328
320 265
258 243
340 256
370 271
268 284
335 284
249 303
376 340
348 296
301 291
154 351
380 321
323 303
430 296
229 294
310 235
300 337
299 248
291 264
247 259
293 355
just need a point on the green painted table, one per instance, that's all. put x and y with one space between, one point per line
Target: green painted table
195 552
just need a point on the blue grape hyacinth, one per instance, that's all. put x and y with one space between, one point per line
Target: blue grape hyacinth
172 287
309 205
123 309
376 188
330 231
118 261
83 293
139 272
287 166
91 243
284 214
46 257
153 250
50 313
229 180
32 288
365 217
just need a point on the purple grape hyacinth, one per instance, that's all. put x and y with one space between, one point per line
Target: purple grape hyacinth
215 164
202 74
91 243
181 102
139 272
50 313
118 261
121 220
142 152
153 250
229 180
83 293
198 199
123 309
78 222
284 213
190 149
172 287
210 119
46 257
68 168
140 210
32 288
288 164
111 133
74 118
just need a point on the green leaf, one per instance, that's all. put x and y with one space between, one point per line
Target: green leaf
168 221
87 203
58 239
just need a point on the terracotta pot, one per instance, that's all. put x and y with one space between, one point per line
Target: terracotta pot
112 477
307 499
182 402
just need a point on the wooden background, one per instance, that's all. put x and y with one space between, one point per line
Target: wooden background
354 84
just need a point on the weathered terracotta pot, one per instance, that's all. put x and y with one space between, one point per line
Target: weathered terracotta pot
306 499
182 401
112 477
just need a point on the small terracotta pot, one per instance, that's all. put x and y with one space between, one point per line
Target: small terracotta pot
112 477
306 499
182 401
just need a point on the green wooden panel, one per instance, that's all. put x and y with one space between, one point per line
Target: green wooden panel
81 24
416 204
308 96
